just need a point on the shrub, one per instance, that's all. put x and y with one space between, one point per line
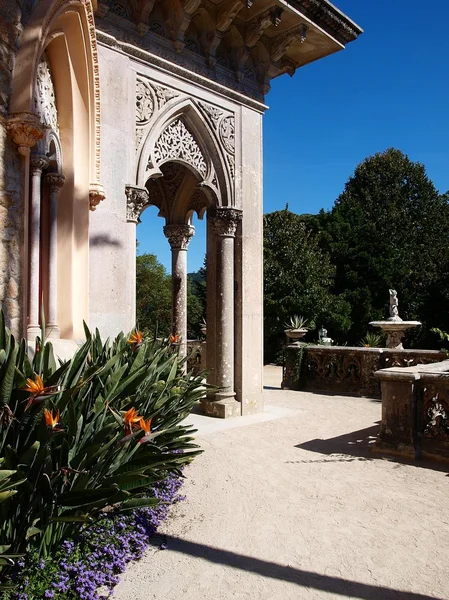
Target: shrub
98 431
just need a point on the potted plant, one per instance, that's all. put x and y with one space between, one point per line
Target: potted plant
295 329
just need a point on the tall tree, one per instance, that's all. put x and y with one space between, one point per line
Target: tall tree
389 229
298 276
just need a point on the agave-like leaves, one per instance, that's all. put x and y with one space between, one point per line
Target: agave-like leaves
54 479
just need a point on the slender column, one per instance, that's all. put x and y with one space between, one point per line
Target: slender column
38 164
55 183
179 237
225 221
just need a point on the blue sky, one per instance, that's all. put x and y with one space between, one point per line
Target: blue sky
390 88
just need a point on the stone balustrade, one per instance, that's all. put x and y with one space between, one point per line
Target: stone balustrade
346 370
415 411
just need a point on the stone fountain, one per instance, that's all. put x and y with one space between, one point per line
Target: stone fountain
394 326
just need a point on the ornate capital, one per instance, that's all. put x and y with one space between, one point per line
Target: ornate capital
96 195
179 236
38 163
55 181
136 200
225 220
26 130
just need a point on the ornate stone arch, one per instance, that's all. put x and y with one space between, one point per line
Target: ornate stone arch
182 133
50 19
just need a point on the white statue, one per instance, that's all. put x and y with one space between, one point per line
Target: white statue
394 302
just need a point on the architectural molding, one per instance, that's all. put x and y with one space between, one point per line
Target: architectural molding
26 130
96 195
258 24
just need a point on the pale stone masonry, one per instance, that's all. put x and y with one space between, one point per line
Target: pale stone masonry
109 107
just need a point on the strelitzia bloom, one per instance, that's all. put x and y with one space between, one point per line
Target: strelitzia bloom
130 419
145 425
50 419
38 392
35 387
136 339
174 339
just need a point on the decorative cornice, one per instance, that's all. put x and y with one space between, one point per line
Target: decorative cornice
225 220
96 195
281 43
179 236
261 22
26 130
136 200
329 18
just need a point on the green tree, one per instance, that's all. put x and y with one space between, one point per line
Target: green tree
153 296
390 229
298 276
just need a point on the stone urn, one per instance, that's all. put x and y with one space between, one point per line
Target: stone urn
295 335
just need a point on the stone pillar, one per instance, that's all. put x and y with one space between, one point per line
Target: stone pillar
179 237
26 130
55 183
38 164
225 221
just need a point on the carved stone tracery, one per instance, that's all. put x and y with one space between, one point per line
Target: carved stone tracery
44 96
177 143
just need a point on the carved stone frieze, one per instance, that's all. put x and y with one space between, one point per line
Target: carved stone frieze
179 236
44 95
177 143
137 198
225 220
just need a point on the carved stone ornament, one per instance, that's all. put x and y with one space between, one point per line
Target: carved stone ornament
44 95
55 181
96 195
150 98
227 133
436 417
38 163
26 130
177 143
212 113
261 22
225 220
179 236
137 199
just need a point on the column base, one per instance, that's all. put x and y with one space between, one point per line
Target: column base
53 332
405 451
33 331
222 409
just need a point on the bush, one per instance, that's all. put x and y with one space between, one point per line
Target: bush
98 431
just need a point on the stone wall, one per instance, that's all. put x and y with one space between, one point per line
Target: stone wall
11 170
346 370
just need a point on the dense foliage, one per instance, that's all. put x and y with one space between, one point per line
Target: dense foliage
298 277
96 432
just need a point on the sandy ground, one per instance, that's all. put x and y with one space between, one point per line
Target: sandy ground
295 505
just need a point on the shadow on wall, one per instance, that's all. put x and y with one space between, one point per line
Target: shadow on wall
306 579
358 445
104 240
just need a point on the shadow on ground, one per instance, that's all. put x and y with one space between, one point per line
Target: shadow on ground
358 445
307 579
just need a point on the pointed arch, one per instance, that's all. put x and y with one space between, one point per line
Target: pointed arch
180 121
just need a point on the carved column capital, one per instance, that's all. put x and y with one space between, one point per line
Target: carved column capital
38 163
96 195
26 130
136 200
55 181
225 220
179 236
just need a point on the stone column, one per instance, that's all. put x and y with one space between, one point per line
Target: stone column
37 164
179 237
225 221
55 183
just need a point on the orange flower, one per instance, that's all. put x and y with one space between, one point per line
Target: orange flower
145 425
50 420
136 339
174 339
35 387
131 417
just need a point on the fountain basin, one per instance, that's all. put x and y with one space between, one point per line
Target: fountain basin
395 330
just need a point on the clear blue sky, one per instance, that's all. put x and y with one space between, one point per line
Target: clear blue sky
389 88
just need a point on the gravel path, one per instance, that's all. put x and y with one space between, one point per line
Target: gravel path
297 507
